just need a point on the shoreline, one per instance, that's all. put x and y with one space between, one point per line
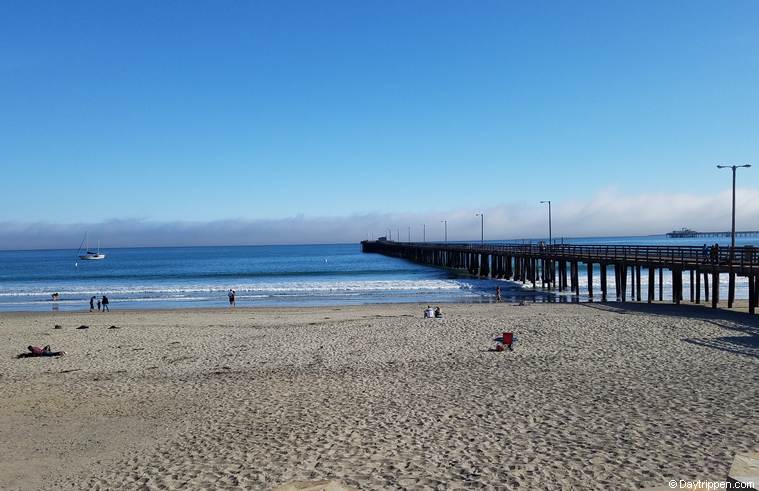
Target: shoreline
593 396
740 306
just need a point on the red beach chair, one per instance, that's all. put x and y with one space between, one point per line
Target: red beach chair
508 339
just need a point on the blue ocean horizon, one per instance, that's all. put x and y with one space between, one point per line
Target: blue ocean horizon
262 276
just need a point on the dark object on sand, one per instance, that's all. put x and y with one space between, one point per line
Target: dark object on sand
83 327
35 351
114 327
58 326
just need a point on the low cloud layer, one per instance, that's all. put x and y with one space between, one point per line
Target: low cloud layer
608 213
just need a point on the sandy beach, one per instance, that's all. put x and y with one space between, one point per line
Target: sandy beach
593 397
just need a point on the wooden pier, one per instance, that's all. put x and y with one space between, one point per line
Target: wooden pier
556 267
692 234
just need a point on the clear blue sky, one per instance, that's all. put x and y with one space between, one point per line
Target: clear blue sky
212 110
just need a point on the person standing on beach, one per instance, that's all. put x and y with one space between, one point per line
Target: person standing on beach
231 296
98 305
105 304
498 293
92 303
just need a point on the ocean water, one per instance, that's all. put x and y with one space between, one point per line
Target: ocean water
201 276
299 275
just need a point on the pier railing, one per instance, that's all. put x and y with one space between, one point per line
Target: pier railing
743 257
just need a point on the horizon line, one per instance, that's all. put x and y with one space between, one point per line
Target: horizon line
334 243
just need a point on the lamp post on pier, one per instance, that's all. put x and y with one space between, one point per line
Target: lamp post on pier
732 235
549 220
731 286
482 227
445 228
424 232
409 234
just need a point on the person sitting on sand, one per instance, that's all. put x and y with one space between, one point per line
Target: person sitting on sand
438 313
37 351
428 312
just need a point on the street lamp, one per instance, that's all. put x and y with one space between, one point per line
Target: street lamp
446 229
409 233
424 232
549 220
482 227
733 167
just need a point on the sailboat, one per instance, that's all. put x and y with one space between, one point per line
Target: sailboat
89 255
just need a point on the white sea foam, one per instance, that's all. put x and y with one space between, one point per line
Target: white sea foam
300 288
